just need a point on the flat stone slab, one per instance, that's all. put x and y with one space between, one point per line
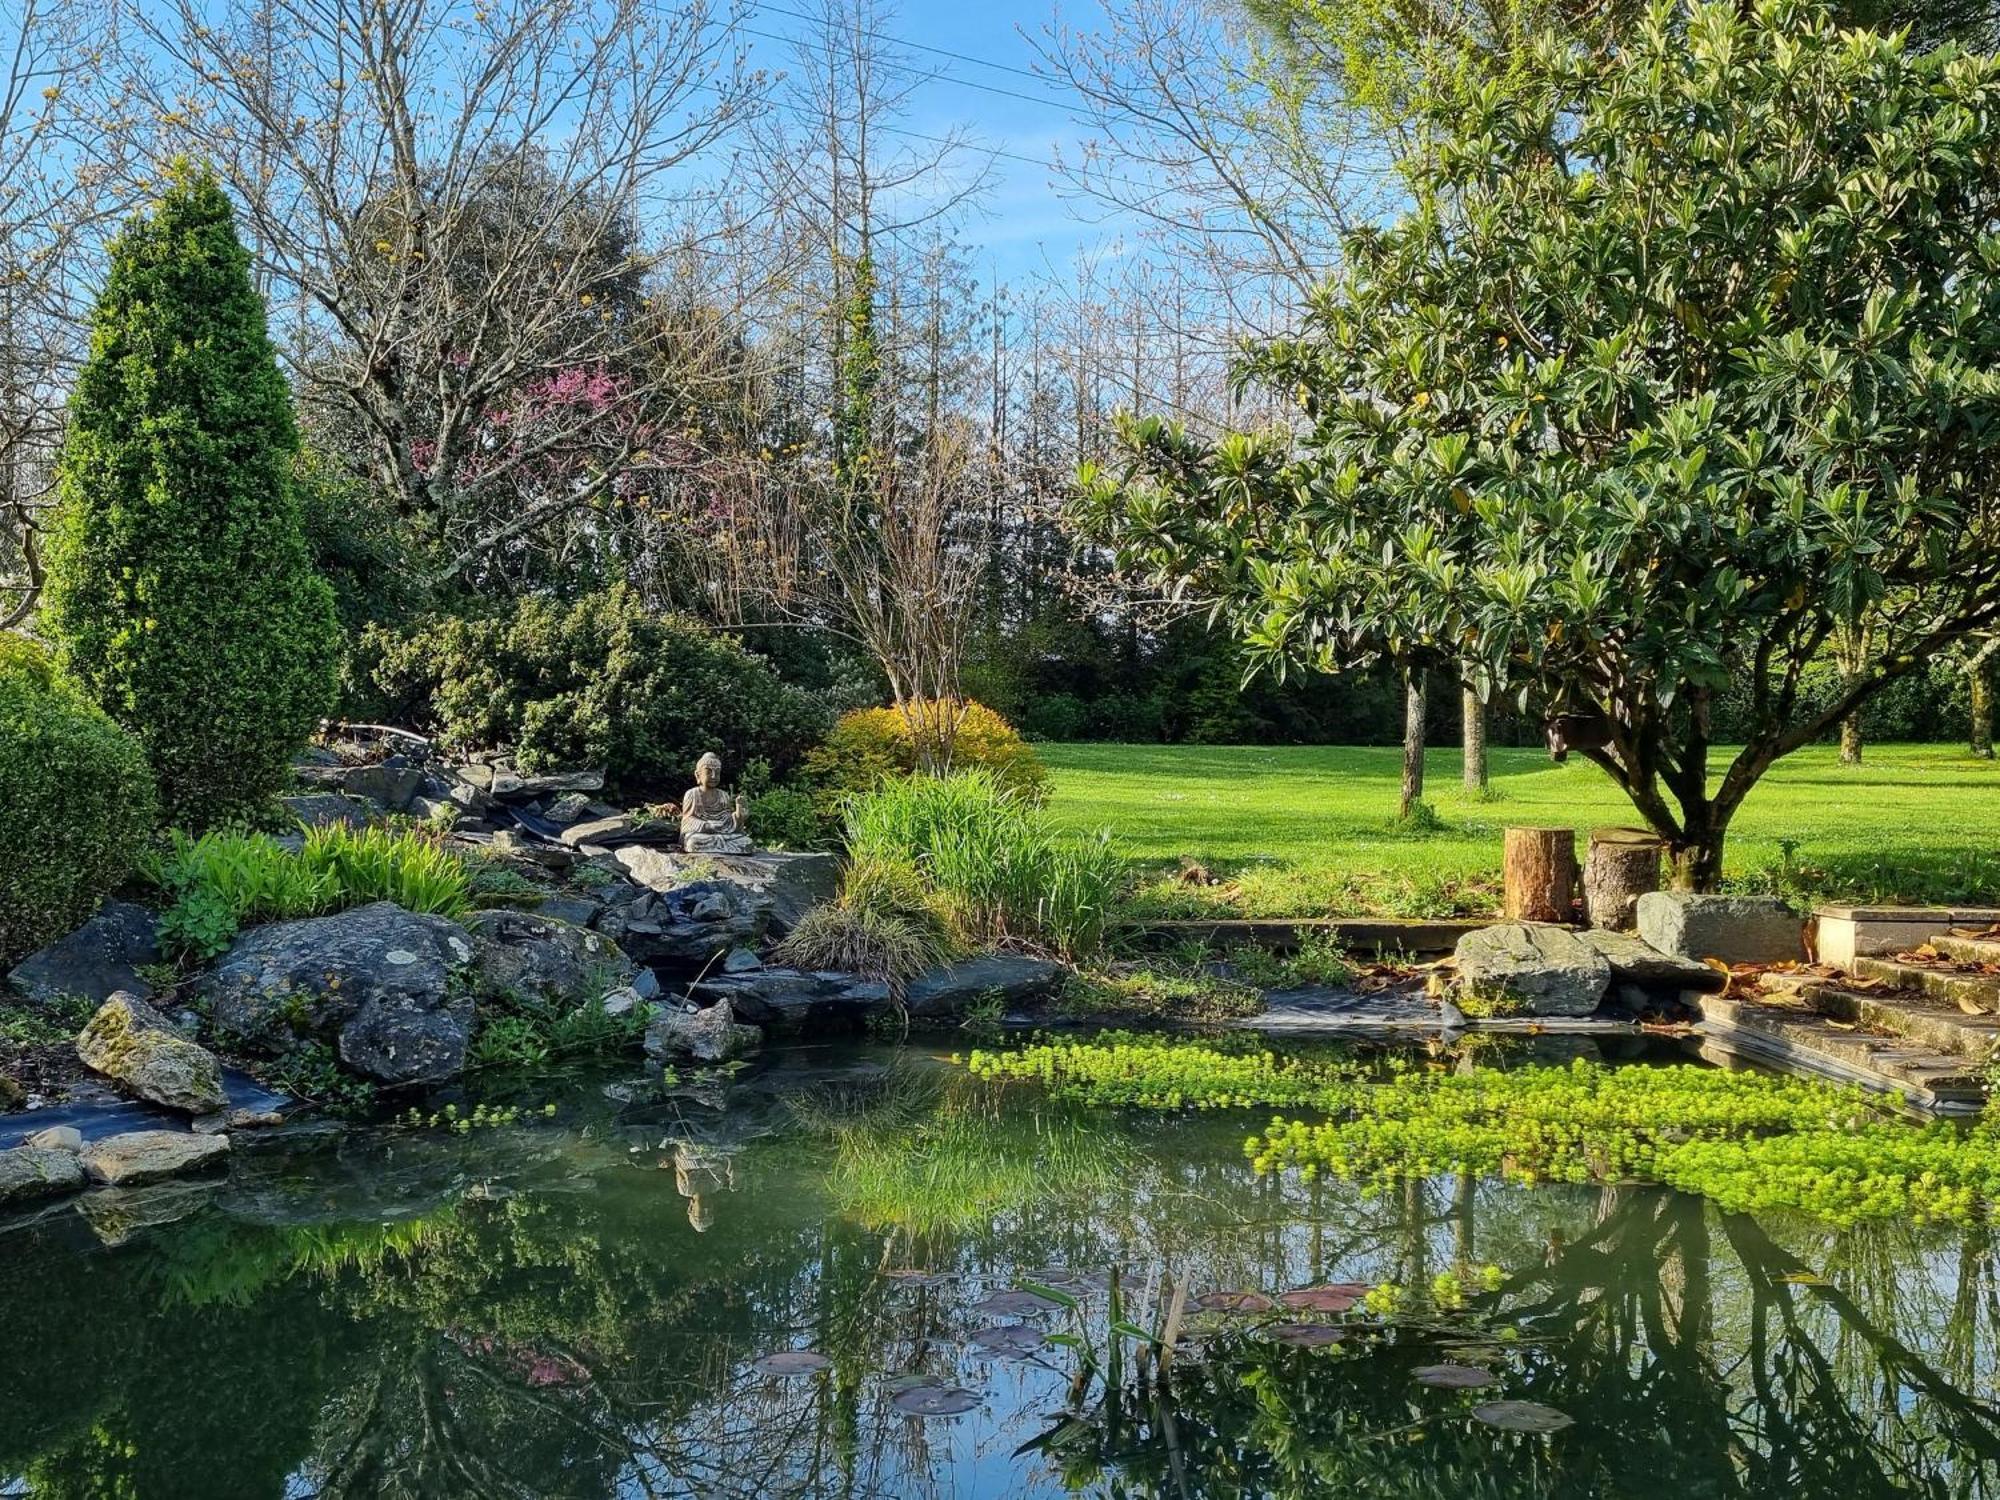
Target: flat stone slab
1530 969
1015 979
1635 961
785 885
31 1172
144 1156
1735 929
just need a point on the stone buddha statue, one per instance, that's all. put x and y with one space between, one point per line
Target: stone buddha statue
712 821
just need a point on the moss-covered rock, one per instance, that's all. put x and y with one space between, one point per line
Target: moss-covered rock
131 1042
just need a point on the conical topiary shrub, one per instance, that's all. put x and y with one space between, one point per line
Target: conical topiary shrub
180 594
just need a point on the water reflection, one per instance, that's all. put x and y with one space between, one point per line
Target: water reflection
573 1308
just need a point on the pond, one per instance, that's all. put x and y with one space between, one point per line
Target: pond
584 1302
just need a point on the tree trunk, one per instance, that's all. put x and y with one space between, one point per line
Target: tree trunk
1623 864
1541 874
1696 865
1472 718
1413 741
1850 739
1982 710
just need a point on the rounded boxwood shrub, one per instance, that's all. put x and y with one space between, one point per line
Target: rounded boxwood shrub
871 744
180 595
76 802
603 681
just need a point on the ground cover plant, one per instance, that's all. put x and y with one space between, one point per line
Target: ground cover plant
1306 830
217 883
1749 1141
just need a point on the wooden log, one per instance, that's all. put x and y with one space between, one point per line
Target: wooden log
1623 864
1541 874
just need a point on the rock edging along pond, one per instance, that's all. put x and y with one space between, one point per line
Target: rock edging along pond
1749 1141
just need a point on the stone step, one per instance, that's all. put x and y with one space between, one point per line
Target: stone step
1956 987
1788 1035
1919 1017
1968 950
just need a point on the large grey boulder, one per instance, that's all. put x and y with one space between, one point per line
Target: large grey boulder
1735 929
328 810
30 1172
711 1035
129 1041
1530 969
782 887
794 997
1013 979
142 1156
100 958
1635 961
542 958
384 985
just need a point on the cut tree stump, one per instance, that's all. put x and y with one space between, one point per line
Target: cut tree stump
1623 864
1541 874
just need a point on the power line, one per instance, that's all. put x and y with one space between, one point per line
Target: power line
940 77
822 21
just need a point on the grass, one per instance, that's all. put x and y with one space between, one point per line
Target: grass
1310 830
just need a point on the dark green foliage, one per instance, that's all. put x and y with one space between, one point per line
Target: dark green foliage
180 594
601 682
76 802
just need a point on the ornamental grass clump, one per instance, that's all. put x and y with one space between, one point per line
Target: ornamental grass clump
997 869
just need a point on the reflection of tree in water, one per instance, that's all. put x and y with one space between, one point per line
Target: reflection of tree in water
569 1333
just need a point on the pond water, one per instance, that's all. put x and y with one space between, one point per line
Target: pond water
577 1304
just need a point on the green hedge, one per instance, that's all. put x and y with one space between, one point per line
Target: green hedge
76 802
602 682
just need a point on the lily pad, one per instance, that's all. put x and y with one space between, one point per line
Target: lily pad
788 1363
1304 1335
934 1400
1013 1304
1008 1341
1452 1377
1325 1299
1233 1302
1522 1416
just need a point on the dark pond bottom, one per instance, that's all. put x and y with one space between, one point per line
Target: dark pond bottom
589 1305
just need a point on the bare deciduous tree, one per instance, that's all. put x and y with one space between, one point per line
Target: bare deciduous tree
449 194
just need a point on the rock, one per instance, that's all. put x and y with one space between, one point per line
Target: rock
142 1156
570 807
440 812
1014 978
387 783
622 1002
525 787
131 1042
794 997
117 1215
327 810
1637 962
56 1138
12 1095
597 831
578 911
783 886
541 958
709 1035
1735 929
1530 968
741 961
30 1172
100 958
225 1120
377 981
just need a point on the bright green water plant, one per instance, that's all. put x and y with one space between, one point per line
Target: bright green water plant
1749 1141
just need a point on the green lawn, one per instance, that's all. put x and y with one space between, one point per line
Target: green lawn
1301 830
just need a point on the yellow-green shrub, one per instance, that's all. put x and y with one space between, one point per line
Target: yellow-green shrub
869 745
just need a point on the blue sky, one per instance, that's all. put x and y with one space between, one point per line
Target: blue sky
1027 227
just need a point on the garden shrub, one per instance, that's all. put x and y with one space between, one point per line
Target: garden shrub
870 745
603 681
76 802
997 867
181 597
220 881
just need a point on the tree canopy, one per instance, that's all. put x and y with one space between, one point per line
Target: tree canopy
1686 357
